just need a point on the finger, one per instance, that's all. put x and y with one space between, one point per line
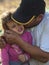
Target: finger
0 37
5 36
8 31
3 41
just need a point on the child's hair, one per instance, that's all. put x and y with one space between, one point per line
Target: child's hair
5 20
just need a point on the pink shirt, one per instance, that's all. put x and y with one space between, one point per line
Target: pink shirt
15 50
12 52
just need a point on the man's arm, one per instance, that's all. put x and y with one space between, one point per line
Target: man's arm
34 51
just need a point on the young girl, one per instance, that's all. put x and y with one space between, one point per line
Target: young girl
16 55
4 57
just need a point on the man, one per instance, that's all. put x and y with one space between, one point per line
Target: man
31 14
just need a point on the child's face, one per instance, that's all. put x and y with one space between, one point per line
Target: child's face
15 27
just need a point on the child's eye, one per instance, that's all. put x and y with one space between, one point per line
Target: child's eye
13 26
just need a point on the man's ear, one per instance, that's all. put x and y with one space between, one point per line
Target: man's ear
40 17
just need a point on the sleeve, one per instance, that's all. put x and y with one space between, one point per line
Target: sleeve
44 43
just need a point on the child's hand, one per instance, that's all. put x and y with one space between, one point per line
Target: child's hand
2 43
22 58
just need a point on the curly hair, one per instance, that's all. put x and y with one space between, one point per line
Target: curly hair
5 20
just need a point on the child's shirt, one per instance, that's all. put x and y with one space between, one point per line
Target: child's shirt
15 50
11 52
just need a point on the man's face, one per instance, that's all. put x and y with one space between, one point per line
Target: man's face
34 22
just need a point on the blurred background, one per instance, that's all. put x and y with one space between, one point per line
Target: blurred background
47 5
8 5
11 5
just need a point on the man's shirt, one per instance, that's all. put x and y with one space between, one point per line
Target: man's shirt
40 35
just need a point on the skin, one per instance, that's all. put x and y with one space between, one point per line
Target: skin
19 29
2 42
34 51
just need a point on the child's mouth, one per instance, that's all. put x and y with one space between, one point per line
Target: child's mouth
20 29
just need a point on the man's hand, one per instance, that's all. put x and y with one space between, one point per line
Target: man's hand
2 42
11 37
